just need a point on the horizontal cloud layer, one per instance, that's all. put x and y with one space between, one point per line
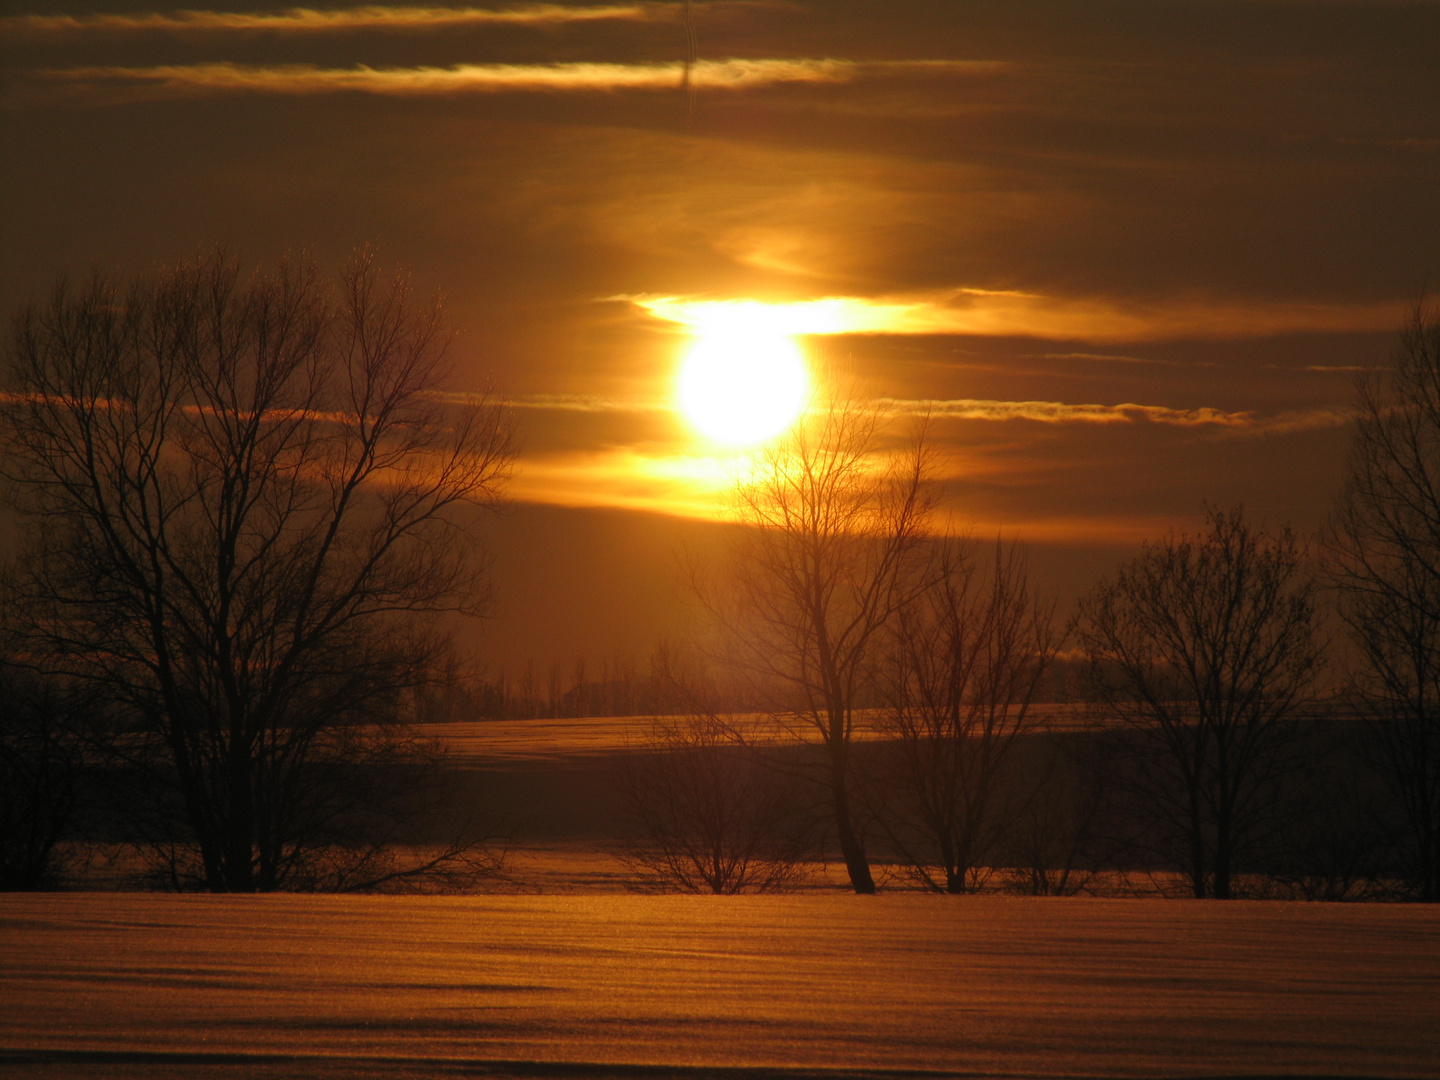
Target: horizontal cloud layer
687 485
1058 412
310 20
733 74
1049 412
1021 314
584 404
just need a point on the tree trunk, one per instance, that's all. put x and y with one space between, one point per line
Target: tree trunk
1429 863
1220 889
239 828
207 837
957 863
856 864
1197 848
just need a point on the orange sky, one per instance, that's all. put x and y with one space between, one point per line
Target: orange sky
1127 254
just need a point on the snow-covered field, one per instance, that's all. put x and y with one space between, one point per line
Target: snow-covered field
494 741
99 984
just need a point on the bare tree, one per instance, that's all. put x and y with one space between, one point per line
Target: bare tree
1206 648
964 663
1384 557
832 529
244 508
1058 841
712 817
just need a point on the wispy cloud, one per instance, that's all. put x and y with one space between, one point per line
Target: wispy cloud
311 20
1005 313
686 485
732 74
586 404
701 486
1048 412
462 78
675 475
1059 412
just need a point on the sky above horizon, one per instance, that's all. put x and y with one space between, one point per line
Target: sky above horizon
1127 256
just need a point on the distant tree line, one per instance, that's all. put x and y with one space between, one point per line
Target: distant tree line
616 686
619 685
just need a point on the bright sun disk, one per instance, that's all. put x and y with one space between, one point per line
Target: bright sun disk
743 384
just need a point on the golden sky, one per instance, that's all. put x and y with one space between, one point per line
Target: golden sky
1126 255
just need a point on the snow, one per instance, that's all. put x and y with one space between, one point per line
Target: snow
605 983
485 742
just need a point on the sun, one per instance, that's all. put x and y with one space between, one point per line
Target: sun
743 383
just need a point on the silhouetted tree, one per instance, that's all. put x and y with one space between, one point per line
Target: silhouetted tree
1206 648
832 531
243 501
1059 841
964 660
711 817
1384 557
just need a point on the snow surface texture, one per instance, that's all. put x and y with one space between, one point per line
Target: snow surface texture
486 742
93 984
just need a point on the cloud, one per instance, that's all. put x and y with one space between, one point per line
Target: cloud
1058 412
671 473
700 487
1047 412
678 480
1006 313
310 20
585 404
733 74
462 78
686 485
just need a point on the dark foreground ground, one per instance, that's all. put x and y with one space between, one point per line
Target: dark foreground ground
102 985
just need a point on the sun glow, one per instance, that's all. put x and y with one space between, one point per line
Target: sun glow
743 381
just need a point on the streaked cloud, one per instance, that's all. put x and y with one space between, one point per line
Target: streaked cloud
732 74
694 483
312 20
701 488
668 472
687 485
1047 412
1059 412
1004 313
585 404
462 78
